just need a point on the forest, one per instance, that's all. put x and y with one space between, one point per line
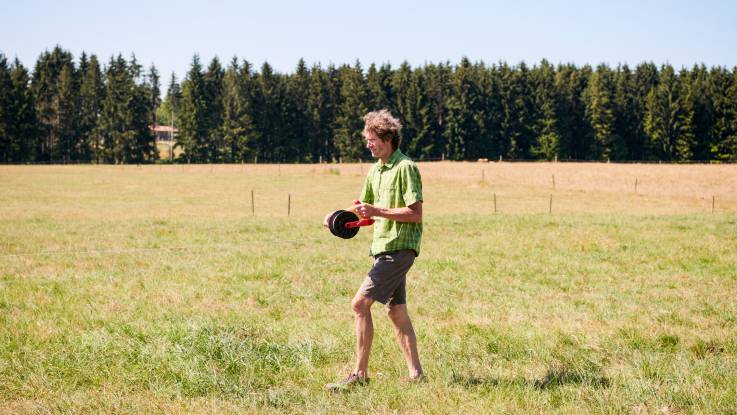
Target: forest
68 110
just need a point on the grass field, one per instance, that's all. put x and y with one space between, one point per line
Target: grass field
157 289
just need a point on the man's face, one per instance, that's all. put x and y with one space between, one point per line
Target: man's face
378 147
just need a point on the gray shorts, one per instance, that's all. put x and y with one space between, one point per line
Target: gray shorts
385 282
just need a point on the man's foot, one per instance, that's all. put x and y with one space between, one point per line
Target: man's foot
346 384
413 380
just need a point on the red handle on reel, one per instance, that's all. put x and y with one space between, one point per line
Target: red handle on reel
362 222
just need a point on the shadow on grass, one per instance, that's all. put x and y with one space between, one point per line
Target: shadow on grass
553 378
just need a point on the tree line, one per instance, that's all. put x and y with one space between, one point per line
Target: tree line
67 110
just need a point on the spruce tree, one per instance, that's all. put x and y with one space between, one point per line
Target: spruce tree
662 113
378 83
418 140
547 143
407 87
269 115
215 148
703 112
600 112
461 129
91 95
685 139
321 109
626 125
192 115
143 118
169 108
349 141
297 114
724 96
8 144
44 87
22 126
238 129
646 79
576 135
67 110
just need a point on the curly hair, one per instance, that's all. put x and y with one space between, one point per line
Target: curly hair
384 125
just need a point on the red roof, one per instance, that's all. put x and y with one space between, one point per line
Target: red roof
163 129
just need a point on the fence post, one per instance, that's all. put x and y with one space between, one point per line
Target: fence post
494 203
253 209
550 206
289 205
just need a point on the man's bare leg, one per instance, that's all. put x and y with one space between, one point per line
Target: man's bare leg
364 332
406 337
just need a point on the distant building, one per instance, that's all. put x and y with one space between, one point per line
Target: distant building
165 133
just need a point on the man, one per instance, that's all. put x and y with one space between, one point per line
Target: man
392 195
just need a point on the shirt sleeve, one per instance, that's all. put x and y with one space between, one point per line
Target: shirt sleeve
367 193
412 184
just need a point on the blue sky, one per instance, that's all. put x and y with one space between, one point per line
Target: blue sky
168 33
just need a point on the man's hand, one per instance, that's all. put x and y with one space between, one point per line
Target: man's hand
325 221
366 210
412 213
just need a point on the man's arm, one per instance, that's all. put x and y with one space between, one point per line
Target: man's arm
411 213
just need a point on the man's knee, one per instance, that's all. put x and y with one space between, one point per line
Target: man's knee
361 305
397 312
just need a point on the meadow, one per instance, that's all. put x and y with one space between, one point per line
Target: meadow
568 288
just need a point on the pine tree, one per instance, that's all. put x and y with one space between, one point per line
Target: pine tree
116 117
724 87
703 112
646 79
216 149
685 139
44 88
419 140
297 116
68 115
269 116
169 108
238 129
192 115
154 81
662 113
321 109
22 126
547 144
438 90
517 108
8 146
576 135
349 141
143 118
600 112
378 84
462 129
91 95
626 124
407 87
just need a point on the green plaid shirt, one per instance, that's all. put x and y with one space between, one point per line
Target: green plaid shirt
393 185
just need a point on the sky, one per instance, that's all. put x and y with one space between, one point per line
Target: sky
169 33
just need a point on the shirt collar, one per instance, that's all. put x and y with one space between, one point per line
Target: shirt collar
393 159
